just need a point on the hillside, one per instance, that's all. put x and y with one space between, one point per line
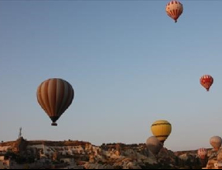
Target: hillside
84 155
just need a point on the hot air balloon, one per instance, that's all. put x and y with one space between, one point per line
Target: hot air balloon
174 9
55 96
161 129
202 153
154 145
216 142
206 81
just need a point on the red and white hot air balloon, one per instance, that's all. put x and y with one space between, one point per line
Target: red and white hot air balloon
174 9
202 153
206 81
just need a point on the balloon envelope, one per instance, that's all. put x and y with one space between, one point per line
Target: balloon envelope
174 9
154 145
206 81
161 129
216 142
202 153
55 96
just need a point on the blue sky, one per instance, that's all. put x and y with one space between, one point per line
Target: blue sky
128 62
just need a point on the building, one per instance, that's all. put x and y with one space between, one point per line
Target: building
5 163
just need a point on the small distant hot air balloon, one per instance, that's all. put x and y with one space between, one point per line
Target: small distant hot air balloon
202 153
154 145
206 81
216 142
55 96
161 129
174 9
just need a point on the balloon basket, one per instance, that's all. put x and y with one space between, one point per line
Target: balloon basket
54 124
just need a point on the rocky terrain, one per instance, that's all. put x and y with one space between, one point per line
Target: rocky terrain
84 155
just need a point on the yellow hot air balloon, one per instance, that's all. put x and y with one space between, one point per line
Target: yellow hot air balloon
161 129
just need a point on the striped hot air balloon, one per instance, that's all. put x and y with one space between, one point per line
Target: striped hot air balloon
174 9
206 81
55 96
161 129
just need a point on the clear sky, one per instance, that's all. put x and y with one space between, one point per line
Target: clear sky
128 62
